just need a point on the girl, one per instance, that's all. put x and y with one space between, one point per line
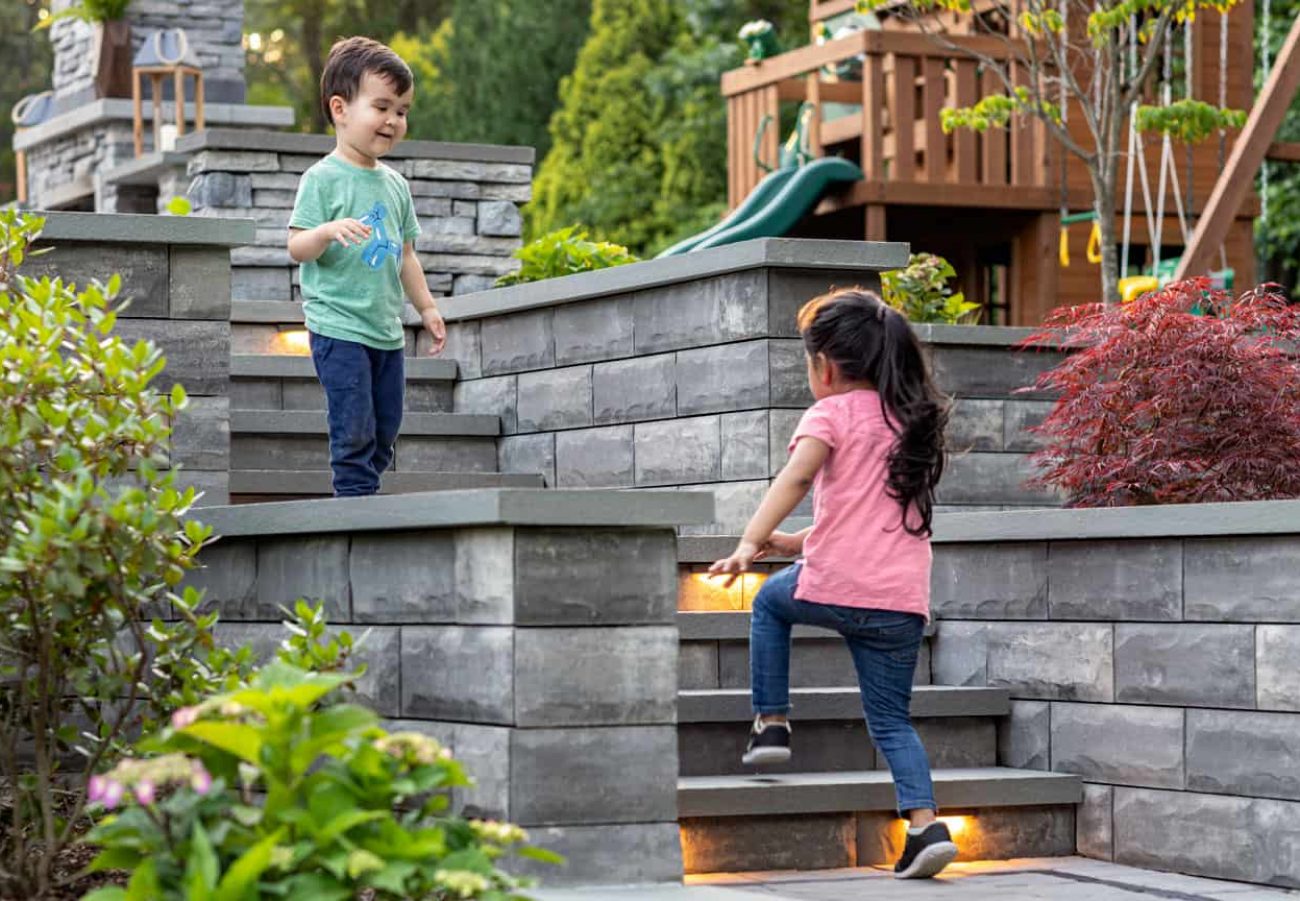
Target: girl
872 448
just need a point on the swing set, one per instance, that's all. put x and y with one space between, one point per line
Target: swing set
1160 272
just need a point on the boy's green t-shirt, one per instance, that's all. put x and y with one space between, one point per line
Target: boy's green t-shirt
355 292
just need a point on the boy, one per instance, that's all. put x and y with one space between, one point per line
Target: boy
353 230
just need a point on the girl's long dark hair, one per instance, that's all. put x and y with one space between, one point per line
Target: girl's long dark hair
870 341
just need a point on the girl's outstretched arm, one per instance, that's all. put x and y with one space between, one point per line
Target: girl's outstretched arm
789 488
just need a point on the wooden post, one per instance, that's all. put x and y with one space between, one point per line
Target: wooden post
179 81
156 83
20 161
137 114
199 122
875 216
873 107
1248 152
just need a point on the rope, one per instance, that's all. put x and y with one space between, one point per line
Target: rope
1166 145
1268 65
1132 149
1223 103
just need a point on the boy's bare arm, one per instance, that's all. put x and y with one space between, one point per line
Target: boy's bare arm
417 289
307 244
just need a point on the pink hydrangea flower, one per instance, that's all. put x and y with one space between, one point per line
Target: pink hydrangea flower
113 793
184 717
98 787
200 779
145 792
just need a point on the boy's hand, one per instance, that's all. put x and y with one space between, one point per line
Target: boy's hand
737 563
342 230
436 328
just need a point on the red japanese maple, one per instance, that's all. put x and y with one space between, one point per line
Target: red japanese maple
1160 405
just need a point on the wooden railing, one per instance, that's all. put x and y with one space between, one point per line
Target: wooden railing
907 79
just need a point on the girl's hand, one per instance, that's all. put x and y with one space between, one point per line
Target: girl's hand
737 563
781 544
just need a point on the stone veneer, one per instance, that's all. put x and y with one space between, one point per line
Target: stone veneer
493 626
1152 651
215 29
690 371
467 199
176 276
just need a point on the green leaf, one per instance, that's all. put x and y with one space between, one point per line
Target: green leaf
201 868
107 893
244 742
345 821
143 885
392 878
540 854
243 874
118 858
316 887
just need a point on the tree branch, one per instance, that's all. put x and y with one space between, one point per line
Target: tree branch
1158 37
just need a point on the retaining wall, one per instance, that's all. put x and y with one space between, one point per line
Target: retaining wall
1153 652
689 371
494 626
176 277
467 199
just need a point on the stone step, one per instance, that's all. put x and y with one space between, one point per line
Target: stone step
298 441
732 705
956 726
288 382
714 654
274 327
829 820
267 485
313 422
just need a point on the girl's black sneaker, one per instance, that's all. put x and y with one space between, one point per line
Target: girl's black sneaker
926 854
768 744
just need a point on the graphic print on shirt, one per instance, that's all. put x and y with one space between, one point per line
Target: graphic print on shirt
380 245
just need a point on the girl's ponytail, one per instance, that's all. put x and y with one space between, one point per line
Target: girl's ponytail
872 342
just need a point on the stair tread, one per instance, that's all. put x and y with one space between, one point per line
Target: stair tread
313 422
299 366
864 790
733 625
319 482
715 705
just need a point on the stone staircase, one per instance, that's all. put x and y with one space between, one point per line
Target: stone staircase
279 441
832 805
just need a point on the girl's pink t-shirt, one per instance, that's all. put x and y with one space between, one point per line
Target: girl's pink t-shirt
858 554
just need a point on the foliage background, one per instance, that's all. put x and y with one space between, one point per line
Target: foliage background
620 99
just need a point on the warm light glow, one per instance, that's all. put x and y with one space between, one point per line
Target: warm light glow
292 342
957 825
700 592
277 35
42 14
253 41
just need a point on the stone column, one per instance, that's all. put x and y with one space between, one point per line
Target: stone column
532 631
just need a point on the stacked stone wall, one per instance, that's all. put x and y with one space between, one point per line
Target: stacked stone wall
1159 667
176 285
467 200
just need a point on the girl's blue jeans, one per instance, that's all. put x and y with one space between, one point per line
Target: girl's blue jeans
363 397
884 645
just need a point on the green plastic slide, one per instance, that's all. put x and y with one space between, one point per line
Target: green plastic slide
775 205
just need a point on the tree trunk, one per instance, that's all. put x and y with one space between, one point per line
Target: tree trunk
1104 190
312 36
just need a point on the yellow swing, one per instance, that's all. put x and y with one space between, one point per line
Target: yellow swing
1094 239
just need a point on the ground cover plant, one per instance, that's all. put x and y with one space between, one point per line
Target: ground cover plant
1185 395
279 789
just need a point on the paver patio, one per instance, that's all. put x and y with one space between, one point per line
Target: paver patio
1049 879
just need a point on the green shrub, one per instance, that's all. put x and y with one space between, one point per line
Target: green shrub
922 294
564 252
95 543
269 791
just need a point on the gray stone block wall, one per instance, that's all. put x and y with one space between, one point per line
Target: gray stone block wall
468 209
700 380
1159 669
214 28
175 293
555 687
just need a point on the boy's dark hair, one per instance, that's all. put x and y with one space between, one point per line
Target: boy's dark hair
873 342
349 60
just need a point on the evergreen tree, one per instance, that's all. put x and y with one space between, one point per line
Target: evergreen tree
604 168
25 64
640 138
497 66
